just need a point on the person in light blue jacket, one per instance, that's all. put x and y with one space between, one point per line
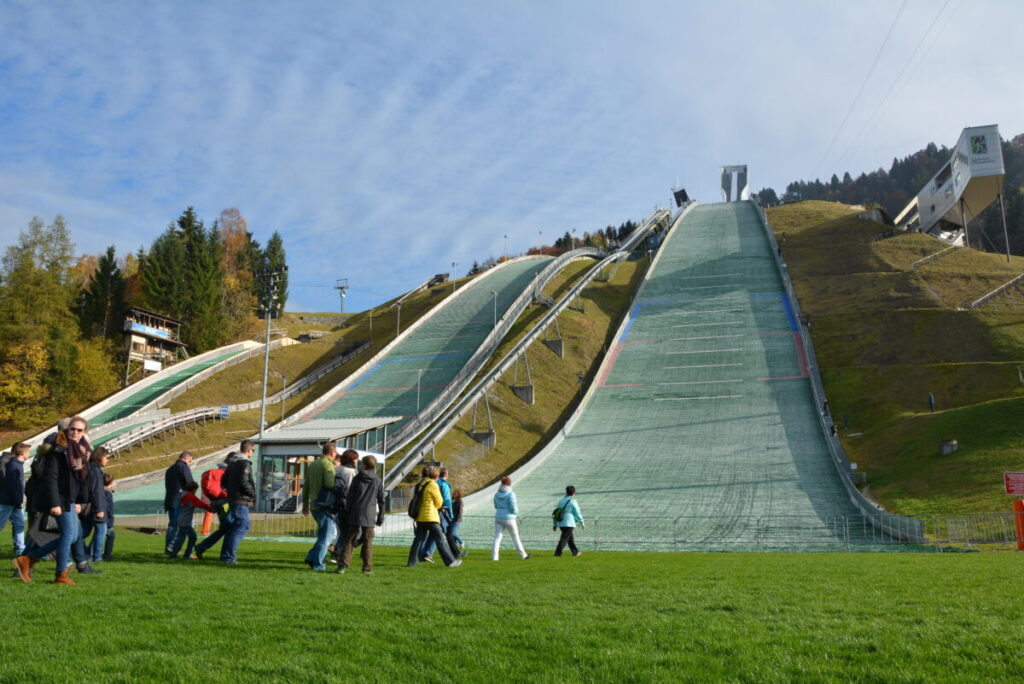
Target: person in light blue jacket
571 517
505 512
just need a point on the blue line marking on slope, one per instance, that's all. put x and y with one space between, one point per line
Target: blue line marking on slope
633 315
790 316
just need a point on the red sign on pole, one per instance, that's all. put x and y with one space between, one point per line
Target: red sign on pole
1014 483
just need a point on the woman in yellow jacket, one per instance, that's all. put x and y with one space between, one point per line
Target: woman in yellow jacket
428 521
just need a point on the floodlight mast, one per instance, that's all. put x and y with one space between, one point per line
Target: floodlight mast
341 285
269 282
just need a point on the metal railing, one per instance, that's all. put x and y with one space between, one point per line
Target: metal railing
765 533
984 299
206 373
469 370
333 393
890 523
159 427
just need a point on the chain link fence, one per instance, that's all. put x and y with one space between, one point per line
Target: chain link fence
851 533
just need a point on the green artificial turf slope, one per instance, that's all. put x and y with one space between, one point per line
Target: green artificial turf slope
599 617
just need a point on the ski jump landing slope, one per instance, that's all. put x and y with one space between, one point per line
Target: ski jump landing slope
701 430
410 375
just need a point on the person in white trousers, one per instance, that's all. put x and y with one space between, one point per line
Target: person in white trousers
505 512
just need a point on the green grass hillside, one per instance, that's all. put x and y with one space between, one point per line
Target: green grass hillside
600 617
886 334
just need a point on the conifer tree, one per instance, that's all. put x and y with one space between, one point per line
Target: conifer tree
103 299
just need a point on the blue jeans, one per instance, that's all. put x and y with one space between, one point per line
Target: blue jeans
454 540
70 531
99 538
325 532
17 518
172 526
238 524
184 532
429 545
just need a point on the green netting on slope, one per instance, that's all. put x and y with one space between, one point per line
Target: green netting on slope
436 351
134 402
704 432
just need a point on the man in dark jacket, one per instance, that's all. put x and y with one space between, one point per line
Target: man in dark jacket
365 506
12 495
60 495
176 478
241 497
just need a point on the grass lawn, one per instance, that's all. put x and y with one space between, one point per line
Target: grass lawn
600 617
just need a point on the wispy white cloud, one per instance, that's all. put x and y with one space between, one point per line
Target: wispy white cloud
386 140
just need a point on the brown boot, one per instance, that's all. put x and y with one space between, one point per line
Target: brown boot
23 565
65 577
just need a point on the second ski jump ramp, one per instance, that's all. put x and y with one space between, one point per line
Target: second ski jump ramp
702 425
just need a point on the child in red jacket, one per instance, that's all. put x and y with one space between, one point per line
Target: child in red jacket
187 508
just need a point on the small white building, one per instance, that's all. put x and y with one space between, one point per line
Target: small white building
284 453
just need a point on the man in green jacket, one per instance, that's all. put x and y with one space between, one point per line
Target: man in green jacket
317 498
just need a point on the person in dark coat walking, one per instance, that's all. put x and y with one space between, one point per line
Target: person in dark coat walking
176 478
241 497
60 495
365 511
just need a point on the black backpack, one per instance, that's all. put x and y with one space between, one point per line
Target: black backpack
5 458
417 499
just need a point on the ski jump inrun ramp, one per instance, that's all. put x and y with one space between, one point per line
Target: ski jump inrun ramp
702 426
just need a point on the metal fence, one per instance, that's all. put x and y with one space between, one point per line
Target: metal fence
768 533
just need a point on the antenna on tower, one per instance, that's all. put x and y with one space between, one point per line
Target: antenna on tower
341 285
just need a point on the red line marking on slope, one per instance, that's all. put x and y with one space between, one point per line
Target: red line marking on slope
610 364
801 355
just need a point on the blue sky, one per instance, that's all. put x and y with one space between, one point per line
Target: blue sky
385 140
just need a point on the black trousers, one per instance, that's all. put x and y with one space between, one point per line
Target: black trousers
433 530
566 538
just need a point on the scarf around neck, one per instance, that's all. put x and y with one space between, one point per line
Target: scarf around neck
78 458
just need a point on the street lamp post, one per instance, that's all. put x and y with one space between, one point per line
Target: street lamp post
506 247
398 318
455 273
269 279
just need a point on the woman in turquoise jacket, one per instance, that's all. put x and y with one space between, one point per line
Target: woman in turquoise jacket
571 517
505 512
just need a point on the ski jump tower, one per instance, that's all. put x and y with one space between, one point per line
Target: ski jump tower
968 183
735 176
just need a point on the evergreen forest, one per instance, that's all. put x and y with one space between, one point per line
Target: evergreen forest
62 312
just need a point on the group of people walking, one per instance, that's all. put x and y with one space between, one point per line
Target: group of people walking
69 499
347 504
228 491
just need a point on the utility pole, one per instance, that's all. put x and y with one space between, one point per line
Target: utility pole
398 318
269 280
